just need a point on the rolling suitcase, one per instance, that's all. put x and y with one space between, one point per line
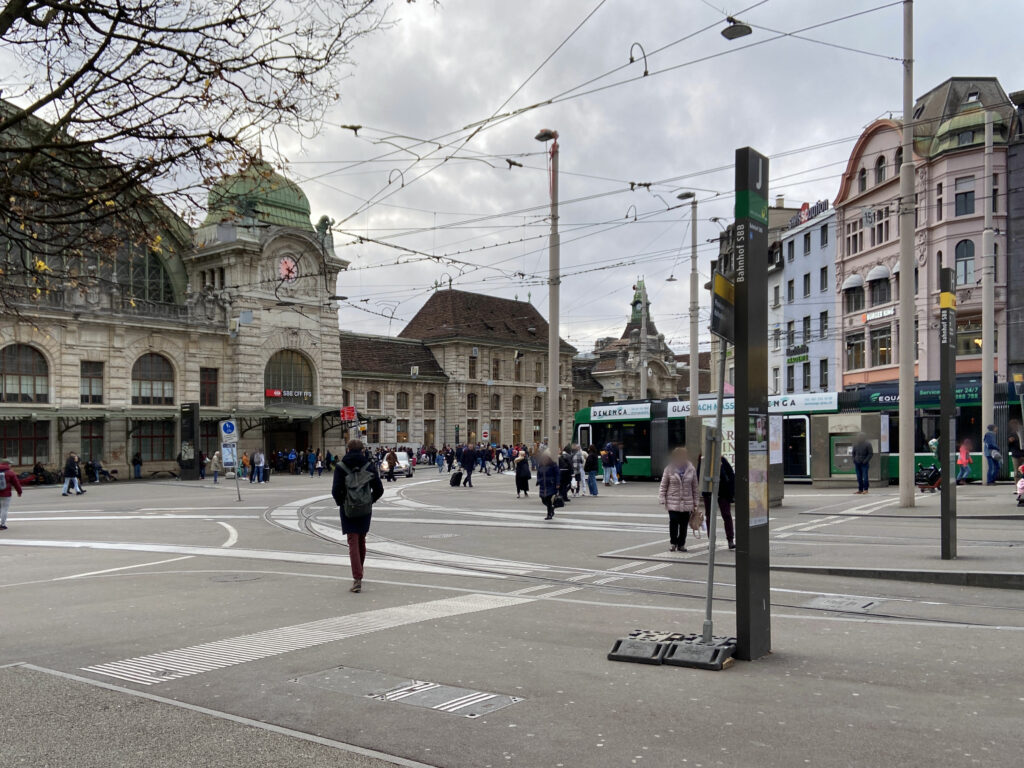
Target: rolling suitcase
456 479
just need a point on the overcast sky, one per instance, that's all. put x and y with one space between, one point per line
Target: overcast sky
442 68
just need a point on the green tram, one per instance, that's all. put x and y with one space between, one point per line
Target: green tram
649 429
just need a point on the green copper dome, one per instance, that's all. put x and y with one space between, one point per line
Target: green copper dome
258 192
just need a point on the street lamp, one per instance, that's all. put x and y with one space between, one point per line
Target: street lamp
694 308
735 29
554 280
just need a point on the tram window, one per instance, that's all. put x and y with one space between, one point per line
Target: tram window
636 439
676 432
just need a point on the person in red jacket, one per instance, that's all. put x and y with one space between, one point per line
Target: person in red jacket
8 482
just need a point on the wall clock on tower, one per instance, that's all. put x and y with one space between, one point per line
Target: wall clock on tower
287 269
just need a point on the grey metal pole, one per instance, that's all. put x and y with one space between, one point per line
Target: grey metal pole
988 289
694 309
715 454
643 340
554 282
908 308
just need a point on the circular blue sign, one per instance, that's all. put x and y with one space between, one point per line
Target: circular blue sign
228 427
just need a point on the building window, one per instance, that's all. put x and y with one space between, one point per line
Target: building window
429 430
854 237
517 431
496 369
373 400
790 333
537 432
807 328
938 201
854 299
964 191
208 386
346 397
965 263
152 381
790 250
430 402
854 351
823 375
775 381
776 290
288 378
823 324
897 161
807 243
402 430
965 138
881 346
790 291
807 377
807 284
823 279
402 401
862 180
495 402
790 379
373 432
995 193
968 337
880 228
24 375
91 383
154 440
881 292
517 402
880 169
209 437
472 368
517 366
471 429
823 237
92 439
777 337
471 401
538 371
495 436
538 404
25 441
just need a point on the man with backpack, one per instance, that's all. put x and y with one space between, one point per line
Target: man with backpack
357 486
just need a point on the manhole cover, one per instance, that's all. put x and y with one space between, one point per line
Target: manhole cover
238 577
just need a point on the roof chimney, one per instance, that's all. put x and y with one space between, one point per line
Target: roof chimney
780 201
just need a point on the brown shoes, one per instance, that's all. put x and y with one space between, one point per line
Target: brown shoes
357 586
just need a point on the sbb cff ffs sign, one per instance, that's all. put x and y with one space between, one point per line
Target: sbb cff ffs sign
348 413
273 393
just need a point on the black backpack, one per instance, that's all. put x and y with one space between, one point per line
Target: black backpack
358 491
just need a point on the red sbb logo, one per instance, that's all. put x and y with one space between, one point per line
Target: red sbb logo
272 393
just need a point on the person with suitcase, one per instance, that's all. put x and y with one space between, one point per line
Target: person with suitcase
357 487
468 461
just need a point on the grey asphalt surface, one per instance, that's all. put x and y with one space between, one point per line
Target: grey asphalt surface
864 672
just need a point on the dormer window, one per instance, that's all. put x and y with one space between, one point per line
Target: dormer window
973 96
880 169
862 180
965 138
918 112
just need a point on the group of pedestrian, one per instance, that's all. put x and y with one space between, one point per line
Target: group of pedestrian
678 494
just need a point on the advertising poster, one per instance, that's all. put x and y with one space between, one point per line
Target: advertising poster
883 433
758 489
758 427
229 455
774 439
728 437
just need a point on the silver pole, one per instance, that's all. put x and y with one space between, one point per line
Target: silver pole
643 340
988 289
554 281
694 309
908 308
714 442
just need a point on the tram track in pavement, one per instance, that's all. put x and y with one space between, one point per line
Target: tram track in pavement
575 578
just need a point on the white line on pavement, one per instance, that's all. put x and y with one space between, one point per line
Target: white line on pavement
122 568
232 535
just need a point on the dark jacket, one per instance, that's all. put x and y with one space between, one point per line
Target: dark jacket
862 452
590 465
354 461
726 481
72 469
547 478
468 458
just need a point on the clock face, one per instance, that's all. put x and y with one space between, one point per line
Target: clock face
287 269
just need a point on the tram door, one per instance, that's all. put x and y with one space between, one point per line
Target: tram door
796 456
583 438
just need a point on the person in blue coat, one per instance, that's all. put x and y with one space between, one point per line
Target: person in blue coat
547 481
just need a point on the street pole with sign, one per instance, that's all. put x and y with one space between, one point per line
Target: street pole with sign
947 420
229 449
753 596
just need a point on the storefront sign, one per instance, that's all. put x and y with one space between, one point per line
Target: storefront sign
619 412
272 392
287 393
867 317
805 402
808 212
927 394
797 359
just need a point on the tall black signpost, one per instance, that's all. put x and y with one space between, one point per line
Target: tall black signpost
753 600
947 429
189 447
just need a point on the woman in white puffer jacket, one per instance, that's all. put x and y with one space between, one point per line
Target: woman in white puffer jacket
678 495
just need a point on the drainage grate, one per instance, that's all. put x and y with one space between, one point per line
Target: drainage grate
464 702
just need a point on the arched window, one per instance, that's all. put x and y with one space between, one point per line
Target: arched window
897 161
430 402
373 400
862 180
402 401
880 169
964 263
144 276
24 375
517 402
471 401
538 404
495 402
288 378
152 381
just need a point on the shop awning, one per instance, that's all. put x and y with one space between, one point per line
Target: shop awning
853 281
880 272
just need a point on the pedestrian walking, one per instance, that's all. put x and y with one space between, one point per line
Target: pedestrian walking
590 469
548 482
9 482
216 466
726 495
390 462
467 459
564 472
439 460
72 476
1015 445
620 459
523 475
137 466
993 456
311 460
678 495
357 486
964 461
204 460
862 453
579 459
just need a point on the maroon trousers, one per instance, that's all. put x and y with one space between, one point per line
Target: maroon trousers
357 554
725 507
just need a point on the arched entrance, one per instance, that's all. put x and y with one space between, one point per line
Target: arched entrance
289 378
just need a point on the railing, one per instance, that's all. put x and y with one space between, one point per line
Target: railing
113 302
